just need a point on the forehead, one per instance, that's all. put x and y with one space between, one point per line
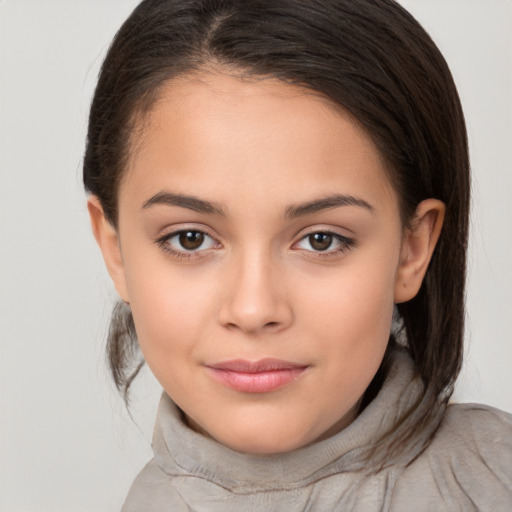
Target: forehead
213 129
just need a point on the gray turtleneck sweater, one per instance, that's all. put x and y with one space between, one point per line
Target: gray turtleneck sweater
466 467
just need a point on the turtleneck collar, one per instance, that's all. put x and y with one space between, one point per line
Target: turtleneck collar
180 451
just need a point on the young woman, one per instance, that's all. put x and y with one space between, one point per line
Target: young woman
280 190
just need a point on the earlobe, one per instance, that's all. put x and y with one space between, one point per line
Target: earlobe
107 238
418 245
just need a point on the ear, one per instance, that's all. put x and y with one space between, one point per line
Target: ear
108 241
418 245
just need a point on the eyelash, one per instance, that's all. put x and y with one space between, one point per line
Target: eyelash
345 244
163 243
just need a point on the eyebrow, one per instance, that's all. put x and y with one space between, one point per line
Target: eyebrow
184 201
292 211
325 203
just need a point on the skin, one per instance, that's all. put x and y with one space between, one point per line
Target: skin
257 287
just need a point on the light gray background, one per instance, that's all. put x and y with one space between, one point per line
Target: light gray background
66 441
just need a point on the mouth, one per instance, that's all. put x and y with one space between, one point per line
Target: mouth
261 376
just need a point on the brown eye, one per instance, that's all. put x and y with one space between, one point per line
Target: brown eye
325 243
187 243
191 240
320 241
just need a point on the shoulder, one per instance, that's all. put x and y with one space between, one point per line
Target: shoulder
153 490
478 439
484 429
468 464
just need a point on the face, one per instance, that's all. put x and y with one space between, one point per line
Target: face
260 251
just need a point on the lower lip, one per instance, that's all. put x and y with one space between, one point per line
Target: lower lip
256 382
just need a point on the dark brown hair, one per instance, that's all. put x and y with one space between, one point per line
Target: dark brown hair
369 56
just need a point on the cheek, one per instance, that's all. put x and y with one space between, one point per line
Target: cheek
352 301
351 314
170 309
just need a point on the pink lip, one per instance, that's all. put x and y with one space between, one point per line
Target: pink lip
260 376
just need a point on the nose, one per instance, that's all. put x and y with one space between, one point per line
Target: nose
254 299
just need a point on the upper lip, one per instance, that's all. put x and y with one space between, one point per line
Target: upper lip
262 365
